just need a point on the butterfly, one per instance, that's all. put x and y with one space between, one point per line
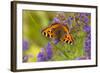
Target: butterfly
58 31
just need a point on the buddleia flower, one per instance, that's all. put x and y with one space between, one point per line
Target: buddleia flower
45 54
41 56
84 17
56 20
56 41
49 51
68 21
87 28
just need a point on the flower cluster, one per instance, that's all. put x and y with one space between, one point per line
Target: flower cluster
45 54
25 46
87 28
60 18
84 18
87 45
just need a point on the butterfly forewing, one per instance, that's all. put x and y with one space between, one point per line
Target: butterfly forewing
48 32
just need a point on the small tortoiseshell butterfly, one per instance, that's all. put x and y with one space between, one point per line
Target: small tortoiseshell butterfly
58 31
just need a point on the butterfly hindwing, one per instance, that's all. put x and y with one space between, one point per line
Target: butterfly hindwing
50 31
67 38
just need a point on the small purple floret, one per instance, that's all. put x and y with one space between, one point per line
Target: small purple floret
49 51
87 28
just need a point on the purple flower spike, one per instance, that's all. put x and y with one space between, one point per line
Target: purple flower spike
56 20
49 51
56 41
89 36
41 57
69 20
87 28
77 16
87 45
82 14
49 46
25 45
86 19
45 54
